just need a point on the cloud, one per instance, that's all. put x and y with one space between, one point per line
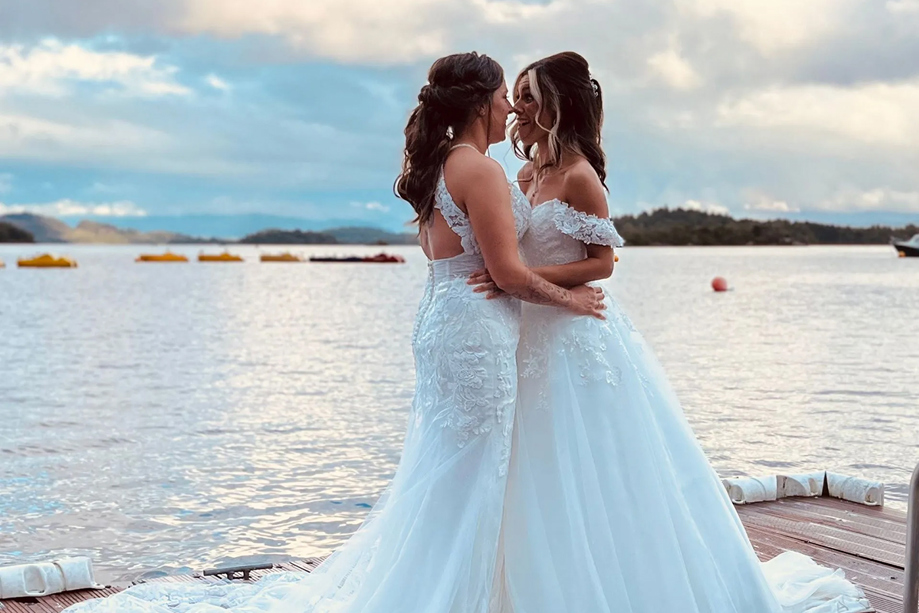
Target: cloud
903 7
777 25
878 199
23 136
762 203
674 70
706 207
873 113
217 83
349 30
51 68
67 208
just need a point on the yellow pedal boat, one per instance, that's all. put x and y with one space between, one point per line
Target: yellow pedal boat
161 257
226 256
280 257
2 264
46 260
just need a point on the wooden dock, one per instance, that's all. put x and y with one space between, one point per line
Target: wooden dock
868 543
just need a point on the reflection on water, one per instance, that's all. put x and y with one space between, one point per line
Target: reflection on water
157 415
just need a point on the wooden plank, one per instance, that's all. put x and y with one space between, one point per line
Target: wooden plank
58 602
857 513
860 545
55 602
861 509
891 533
883 603
858 570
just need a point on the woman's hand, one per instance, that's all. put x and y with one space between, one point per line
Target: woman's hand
484 283
587 300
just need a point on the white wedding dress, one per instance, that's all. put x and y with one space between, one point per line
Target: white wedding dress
430 543
612 506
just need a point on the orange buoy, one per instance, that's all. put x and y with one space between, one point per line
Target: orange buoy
720 284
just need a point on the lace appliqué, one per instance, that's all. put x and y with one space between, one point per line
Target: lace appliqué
455 217
587 228
587 348
459 221
466 379
582 343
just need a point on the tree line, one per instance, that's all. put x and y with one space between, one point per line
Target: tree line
688 227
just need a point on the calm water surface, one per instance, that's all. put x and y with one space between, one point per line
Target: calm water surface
167 416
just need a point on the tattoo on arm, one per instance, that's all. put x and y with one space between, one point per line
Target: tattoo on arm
539 291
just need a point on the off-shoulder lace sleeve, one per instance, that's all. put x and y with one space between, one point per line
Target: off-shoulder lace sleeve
585 227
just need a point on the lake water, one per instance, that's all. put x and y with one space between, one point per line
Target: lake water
158 416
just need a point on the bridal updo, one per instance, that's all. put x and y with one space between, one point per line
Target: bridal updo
458 87
562 85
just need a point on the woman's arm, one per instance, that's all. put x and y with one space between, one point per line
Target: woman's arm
584 194
598 265
487 199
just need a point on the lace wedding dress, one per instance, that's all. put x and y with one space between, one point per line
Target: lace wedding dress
430 543
612 506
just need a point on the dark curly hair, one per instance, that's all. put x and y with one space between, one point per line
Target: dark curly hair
458 86
562 84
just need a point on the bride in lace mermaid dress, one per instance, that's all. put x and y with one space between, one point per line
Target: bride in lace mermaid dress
430 543
612 506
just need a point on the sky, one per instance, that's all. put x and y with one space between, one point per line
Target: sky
134 109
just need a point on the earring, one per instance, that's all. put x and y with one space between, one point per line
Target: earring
449 132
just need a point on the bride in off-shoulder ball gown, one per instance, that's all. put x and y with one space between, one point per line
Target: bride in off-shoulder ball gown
612 506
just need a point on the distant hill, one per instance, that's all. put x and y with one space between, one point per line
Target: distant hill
51 230
342 236
688 227
229 227
354 235
43 229
288 237
14 234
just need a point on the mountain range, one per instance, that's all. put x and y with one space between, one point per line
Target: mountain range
51 230
657 227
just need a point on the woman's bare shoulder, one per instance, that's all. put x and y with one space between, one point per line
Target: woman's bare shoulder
583 189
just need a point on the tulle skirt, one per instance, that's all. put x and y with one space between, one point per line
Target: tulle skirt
612 506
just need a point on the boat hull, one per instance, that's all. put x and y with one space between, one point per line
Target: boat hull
908 251
219 258
166 257
47 261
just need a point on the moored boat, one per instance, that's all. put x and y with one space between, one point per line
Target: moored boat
226 256
47 260
907 249
280 257
380 258
161 257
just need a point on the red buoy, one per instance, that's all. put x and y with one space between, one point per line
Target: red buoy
720 284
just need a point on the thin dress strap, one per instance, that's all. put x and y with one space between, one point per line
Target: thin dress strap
457 146
455 217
